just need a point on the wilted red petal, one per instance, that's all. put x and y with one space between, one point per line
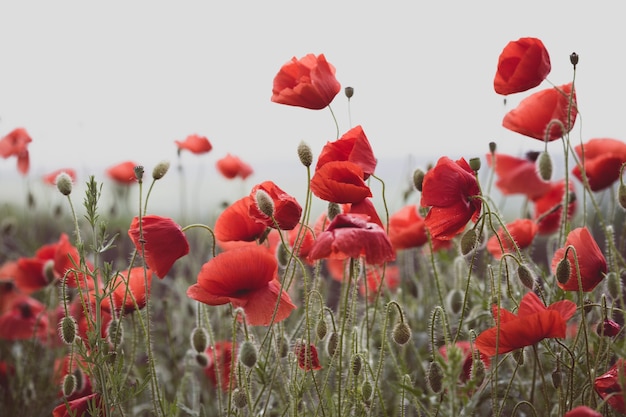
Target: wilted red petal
307 356
231 166
340 182
163 242
195 144
354 147
123 173
522 65
235 223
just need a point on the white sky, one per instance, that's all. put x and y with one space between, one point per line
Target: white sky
98 84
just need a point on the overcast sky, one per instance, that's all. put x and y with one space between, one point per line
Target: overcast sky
98 84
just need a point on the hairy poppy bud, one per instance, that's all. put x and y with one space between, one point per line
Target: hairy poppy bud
332 343
240 399
64 183
401 333
526 276
474 163
321 328
67 330
356 364
349 92
199 339
563 270
248 354
621 195
556 378
455 300
418 179
367 390
469 241
202 359
283 347
305 154
434 377
333 210
264 202
160 170
573 58
69 385
544 165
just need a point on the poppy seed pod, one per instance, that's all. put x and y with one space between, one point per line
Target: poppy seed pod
474 163
492 147
139 172
573 58
349 91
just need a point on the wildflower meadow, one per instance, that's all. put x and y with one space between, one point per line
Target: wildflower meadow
493 287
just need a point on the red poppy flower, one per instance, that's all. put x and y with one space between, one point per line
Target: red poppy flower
353 146
123 173
79 407
522 65
373 277
28 274
522 231
70 364
468 358
608 327
128 285
549 207
307 356
449 190
308 82
518 175
67 264
608 386
235 223
351 236
219 365
287 210
83 310
16 144
24 319
407 228
603 161
304 244
163 242
246 278
591 261
533 323
51 178
231 166
195 144
340 182
582 411
533 114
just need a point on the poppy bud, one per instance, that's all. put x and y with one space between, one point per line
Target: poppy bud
418 179
139 172
264 202
563 270
356 364
115 332
474 163
202 359
79 377
544 165
160 170
305 154
282 255
573 58
492 147
349 92
526 276
248 354
69 385
283 347
621 195
64 183
401 333
608 328
332 343
67 330
240 399
613 285
455 300
556 378
434 377
322 328
469 241
367 390
199 339
333 210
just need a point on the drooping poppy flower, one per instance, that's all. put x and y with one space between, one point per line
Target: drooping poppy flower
164 242
407 228
80 406
246 278
308 82
535 114
591 261
195 144
522 65
129 285
15 144
608 327
25 319
307 356
449 189
218 368
522 231
582 411
603 159
518 175
123 173
235 223
532 323
608 386
287 210
351 236
340 182
353 146
468 358
549 207
51 178
231 166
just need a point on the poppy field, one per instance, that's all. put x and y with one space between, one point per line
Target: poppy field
494 287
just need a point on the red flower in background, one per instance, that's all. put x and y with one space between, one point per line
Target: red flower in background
354 147
79 406
15 144
407 228
371 285
522 231
308 82
51 178
522 65
549 207
307 356
351 236
67 264
195 144
591 261
608 386
533 323
128 285
340 182
533 114
468 358
518 175
603 159
449 190
231 166
246 278
123 173
163 242
287 210
219 360
235 223
24 318
582 411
